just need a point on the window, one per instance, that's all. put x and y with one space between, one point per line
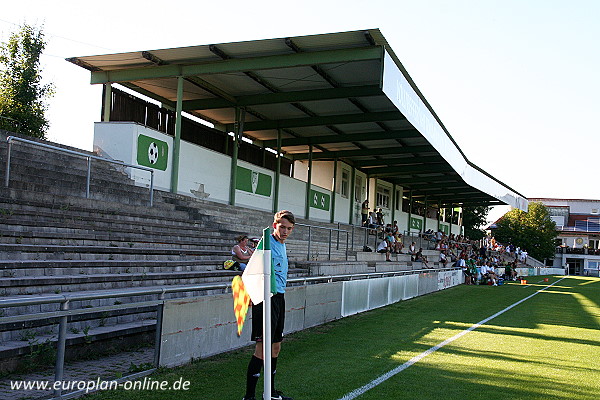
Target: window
405 204
359 194
345 184
383 197
593 243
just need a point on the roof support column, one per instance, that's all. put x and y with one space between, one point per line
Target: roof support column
277 173
352 195
451 216
107 102
177 138
410 204
308 180
439 215
393 203
238 129
335 170
368 186
425 216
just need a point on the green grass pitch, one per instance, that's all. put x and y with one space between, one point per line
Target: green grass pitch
547 347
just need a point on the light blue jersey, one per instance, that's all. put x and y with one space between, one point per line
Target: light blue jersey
280 263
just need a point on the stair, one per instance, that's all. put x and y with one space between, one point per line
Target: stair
54 241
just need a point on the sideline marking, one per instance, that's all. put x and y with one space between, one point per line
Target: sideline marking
357 392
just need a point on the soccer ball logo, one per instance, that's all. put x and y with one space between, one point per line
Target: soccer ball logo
153 153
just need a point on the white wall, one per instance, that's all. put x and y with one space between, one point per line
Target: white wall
292 195
118 140
201 166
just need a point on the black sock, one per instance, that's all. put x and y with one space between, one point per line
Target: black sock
273 371
254 367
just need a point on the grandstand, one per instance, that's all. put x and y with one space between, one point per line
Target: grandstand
56 242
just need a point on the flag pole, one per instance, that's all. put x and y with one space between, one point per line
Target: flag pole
267 313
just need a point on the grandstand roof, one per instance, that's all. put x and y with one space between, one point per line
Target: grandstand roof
345 94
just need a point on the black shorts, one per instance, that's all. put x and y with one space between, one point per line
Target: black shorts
277 319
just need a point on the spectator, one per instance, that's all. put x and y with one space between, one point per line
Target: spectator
483 251
384 248
443 259
241 252
412 249
472 270
371 221
420 257
364 212
489 273
379 217
395 229
393 244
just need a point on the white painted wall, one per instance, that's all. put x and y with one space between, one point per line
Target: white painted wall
201 166
292 195
118 140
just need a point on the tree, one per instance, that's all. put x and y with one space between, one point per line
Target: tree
533 230
474 217
22 94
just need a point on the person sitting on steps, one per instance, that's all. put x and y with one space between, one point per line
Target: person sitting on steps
241 252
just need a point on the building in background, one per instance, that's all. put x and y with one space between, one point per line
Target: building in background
578 225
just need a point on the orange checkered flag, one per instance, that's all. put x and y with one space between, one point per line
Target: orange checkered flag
241 302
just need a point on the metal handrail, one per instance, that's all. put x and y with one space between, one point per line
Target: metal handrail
89 158
331 230
107 294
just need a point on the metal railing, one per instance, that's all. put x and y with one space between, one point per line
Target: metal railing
330 241
65 312
89 158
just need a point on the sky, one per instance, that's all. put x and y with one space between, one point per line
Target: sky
515 82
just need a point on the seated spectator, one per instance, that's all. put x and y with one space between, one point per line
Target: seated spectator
371 222
384 248
400 243
412 249
395 229
443 258
489 273
241 252
394 246
252 243
420 257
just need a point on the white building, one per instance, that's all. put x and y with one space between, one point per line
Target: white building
578 242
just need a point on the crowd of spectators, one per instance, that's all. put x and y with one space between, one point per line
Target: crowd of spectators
479 260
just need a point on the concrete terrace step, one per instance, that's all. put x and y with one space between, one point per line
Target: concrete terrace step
39 285
24 248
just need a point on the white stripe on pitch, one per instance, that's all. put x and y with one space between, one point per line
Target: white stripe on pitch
357 392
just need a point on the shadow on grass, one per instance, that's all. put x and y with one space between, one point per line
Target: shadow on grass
328 361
